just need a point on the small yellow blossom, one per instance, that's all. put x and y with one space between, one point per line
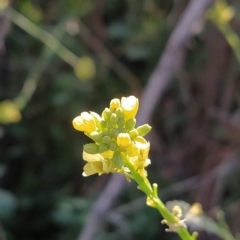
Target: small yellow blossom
196 209
85 123
150 202
9 112
115 138
129 106
123 140
115 103
97 163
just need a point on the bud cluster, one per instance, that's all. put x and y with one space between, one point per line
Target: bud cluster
115 137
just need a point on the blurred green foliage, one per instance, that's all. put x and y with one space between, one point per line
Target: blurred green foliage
43 194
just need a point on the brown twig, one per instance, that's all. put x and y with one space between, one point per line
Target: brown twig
161 76
109 59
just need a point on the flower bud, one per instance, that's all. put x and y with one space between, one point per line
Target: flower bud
130 123
133 133
144 129
121 123
97 119
106 139
78 124
113 146
119 113
130 106
109 125
103 124
91 148
117 159
103 148
96 136
114 118
115 103
106 114
123 140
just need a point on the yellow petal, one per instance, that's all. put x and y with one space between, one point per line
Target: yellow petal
9 112
92 157
123 140
88 170
130 106
78 123
115 103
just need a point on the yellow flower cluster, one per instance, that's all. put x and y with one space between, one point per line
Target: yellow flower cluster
115 138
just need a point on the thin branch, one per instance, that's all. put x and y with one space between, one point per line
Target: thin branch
169 61
49 40
109 59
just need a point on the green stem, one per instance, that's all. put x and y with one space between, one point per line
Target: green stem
146 187
43 36
37 69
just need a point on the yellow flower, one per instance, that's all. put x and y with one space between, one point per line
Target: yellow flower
150 202
123 140
115 103
97 163
138 153
9 112
85 123
129 106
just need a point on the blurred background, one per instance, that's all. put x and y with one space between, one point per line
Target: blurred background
59 58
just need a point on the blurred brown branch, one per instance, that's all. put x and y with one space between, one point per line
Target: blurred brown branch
109 59
170 60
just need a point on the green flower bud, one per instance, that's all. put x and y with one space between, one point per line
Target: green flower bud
111 133
114 118
109 125
96 136
104 124
119 113
103 148
133 133
106 114
144 129
121 123
113 146
118 159
91 148
130 123
105 133
106 139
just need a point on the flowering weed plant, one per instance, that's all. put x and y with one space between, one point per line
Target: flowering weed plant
120 147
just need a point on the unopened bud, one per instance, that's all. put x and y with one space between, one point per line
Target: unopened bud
113 146
114 118
144 129
103 124
130 123
106 139
120 113
91 148
97 118
115 103
121 123
118 159
123 140
106 114
133 133
103 148
96 136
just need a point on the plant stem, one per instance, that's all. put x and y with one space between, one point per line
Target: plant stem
43 36
146 187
